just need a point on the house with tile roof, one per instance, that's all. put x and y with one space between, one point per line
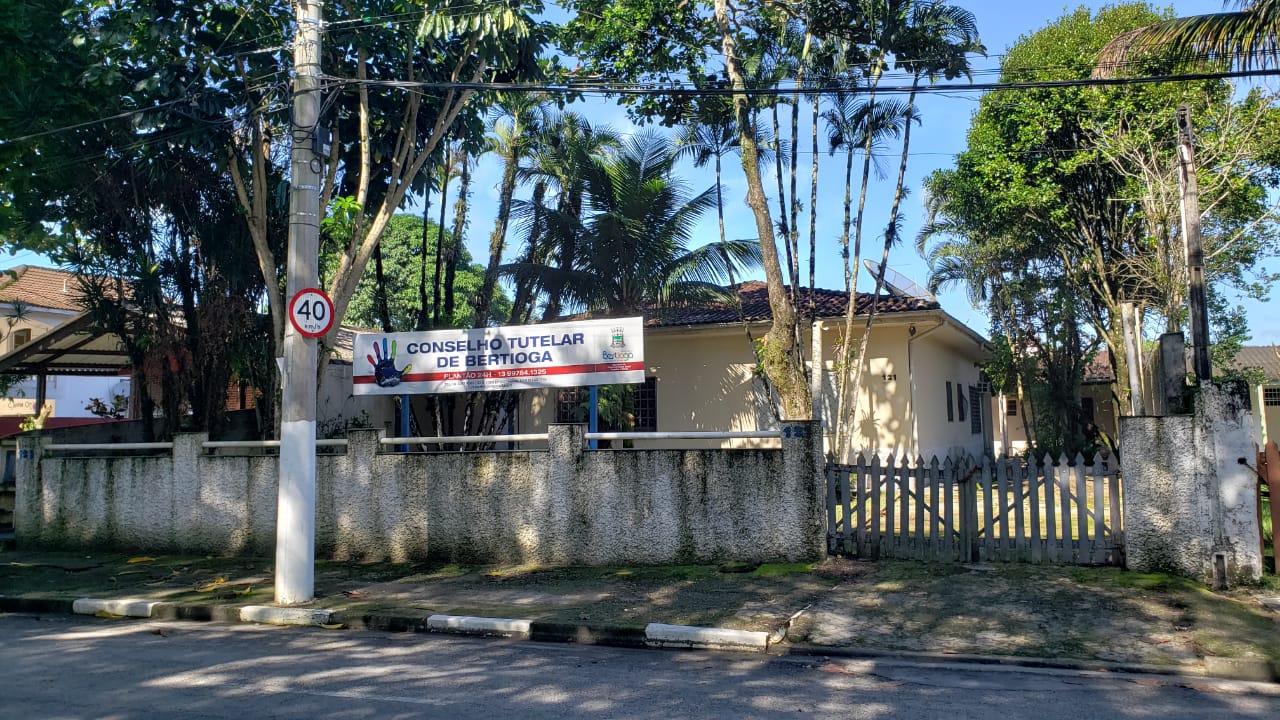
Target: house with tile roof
1265 396
1009 413
36 305
922 390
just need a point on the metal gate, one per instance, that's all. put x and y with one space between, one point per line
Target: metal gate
968 510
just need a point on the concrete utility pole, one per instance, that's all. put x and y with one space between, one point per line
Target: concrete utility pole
1195 253
296 503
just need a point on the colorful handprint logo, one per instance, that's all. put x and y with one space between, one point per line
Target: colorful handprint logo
385 373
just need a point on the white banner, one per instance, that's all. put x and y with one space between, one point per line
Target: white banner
571 354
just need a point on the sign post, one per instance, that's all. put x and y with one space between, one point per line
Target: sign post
296 496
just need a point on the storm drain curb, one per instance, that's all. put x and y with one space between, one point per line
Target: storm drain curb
125 607
194 612
37 605
658 635
284 615
611 635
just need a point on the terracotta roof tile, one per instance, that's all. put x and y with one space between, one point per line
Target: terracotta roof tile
41 287
755 307
1099 369
1264 357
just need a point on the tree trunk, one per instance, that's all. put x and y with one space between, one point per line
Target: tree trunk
498 238
846 410
443 254
813 211
780 358
425 316
380 290
890 237
459 227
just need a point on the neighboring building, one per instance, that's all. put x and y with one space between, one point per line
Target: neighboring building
1009 413
922 393
47 301
1265 396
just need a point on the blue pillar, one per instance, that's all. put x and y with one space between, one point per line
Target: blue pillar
593 417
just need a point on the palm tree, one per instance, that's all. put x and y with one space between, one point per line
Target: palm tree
631 245
851 122
566 147
515 119
928 38
1248 38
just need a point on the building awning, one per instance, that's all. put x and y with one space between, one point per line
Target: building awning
78 347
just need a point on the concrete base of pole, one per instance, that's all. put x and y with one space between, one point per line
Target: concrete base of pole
296 514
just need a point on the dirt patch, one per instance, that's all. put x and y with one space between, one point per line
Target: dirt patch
1085 613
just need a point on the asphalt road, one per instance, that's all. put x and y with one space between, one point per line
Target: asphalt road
66 667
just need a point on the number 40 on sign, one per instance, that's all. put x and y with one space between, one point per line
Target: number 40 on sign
311 312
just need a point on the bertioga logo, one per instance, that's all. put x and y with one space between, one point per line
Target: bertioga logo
617 341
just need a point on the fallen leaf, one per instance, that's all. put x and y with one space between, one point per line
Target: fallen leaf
335 626
213 585
353 593
142 559
243 592
109 615
161 632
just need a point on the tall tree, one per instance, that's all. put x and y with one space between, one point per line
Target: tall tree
403 255
616 38
383 144
632 247
516 118
1062 181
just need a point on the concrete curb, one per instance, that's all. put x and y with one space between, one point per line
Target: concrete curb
653 635
658 635
128 607
271 615
485 627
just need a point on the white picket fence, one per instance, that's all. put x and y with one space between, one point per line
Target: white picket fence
968 510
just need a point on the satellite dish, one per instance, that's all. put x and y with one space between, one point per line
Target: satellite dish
899 284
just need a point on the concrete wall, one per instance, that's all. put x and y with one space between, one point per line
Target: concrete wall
337 407
1190 491
559 506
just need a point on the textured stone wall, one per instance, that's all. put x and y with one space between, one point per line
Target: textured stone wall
1190 491
564 505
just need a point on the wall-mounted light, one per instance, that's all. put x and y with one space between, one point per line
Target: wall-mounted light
911 330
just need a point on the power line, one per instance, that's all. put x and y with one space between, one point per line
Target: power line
684 90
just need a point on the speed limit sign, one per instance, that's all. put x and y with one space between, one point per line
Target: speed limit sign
311 312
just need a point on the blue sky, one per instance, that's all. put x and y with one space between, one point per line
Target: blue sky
934 145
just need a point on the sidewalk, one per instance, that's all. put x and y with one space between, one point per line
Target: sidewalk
1065 616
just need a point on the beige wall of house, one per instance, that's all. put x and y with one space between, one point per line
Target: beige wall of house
938 357
1012 428
705 381
1269 417
35 324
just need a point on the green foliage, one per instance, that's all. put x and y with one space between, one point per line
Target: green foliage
1065 204
403 263
118 409
630 246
